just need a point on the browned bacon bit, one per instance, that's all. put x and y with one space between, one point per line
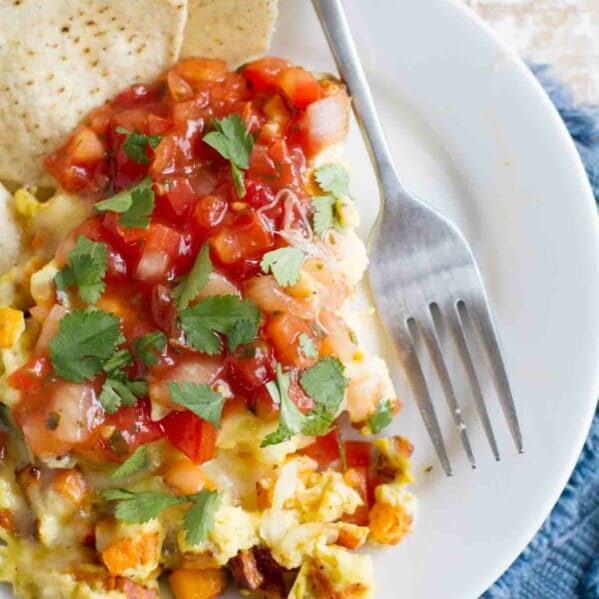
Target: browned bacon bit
266 562
245 570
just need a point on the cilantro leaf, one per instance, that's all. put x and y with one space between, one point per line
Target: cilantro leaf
135 144
139 388
135 205
285 264
136 462
121 359
196 280
148 346
333 178
324 214
86 269
138 508
199 519
291 420
85 339
232 141
114 394
325 384
307 346
219 314
382 416
199 399
242 332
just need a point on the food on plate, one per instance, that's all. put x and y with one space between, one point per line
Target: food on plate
183 397
60 59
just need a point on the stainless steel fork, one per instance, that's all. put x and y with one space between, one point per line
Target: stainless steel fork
423 275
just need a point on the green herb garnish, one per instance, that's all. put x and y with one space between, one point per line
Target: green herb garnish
148 346
285 264
136 462
200 399
333 178
86 270
382 416
232 141
225 314
135 205
136 143
196 280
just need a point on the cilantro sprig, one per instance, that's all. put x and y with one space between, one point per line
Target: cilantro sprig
232 141
285 264
325 383
134 205
200 399
382 416
141 507
196 280
333 178
148 347
135 463
86 270
135 145
85 340
307 346
226 314
333 181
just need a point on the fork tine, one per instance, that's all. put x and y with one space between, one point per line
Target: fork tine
456 325
429 332
422 396
488 333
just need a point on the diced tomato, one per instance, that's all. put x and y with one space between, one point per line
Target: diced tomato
258 194
180 193
195 437
158 125
252 365
262 404
298 396
30 378
80 165
262 73
137 95
135 426
164 248
324 122
210 211
179 89
196 71
246 238
283 330
324 450
357 453
300 86
162 308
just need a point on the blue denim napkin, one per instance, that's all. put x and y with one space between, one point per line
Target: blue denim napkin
562 561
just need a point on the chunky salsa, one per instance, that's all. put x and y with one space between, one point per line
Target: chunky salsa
206 285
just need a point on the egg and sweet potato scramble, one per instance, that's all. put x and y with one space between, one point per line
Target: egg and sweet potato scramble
179 380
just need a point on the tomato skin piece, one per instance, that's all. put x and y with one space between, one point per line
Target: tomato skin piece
283 330
135 425
209 212
30 378
252 365
246 238
80 165
262 73
299 86
191 435
358 453
324 450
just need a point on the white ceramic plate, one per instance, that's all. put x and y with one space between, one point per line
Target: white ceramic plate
473 133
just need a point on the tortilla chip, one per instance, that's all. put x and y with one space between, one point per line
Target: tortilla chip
61 58
10 235
233 30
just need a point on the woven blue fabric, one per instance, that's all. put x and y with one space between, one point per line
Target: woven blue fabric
562 561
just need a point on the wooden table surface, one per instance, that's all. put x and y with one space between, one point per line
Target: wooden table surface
562 33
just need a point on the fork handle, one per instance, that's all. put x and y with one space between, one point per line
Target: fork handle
338 34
